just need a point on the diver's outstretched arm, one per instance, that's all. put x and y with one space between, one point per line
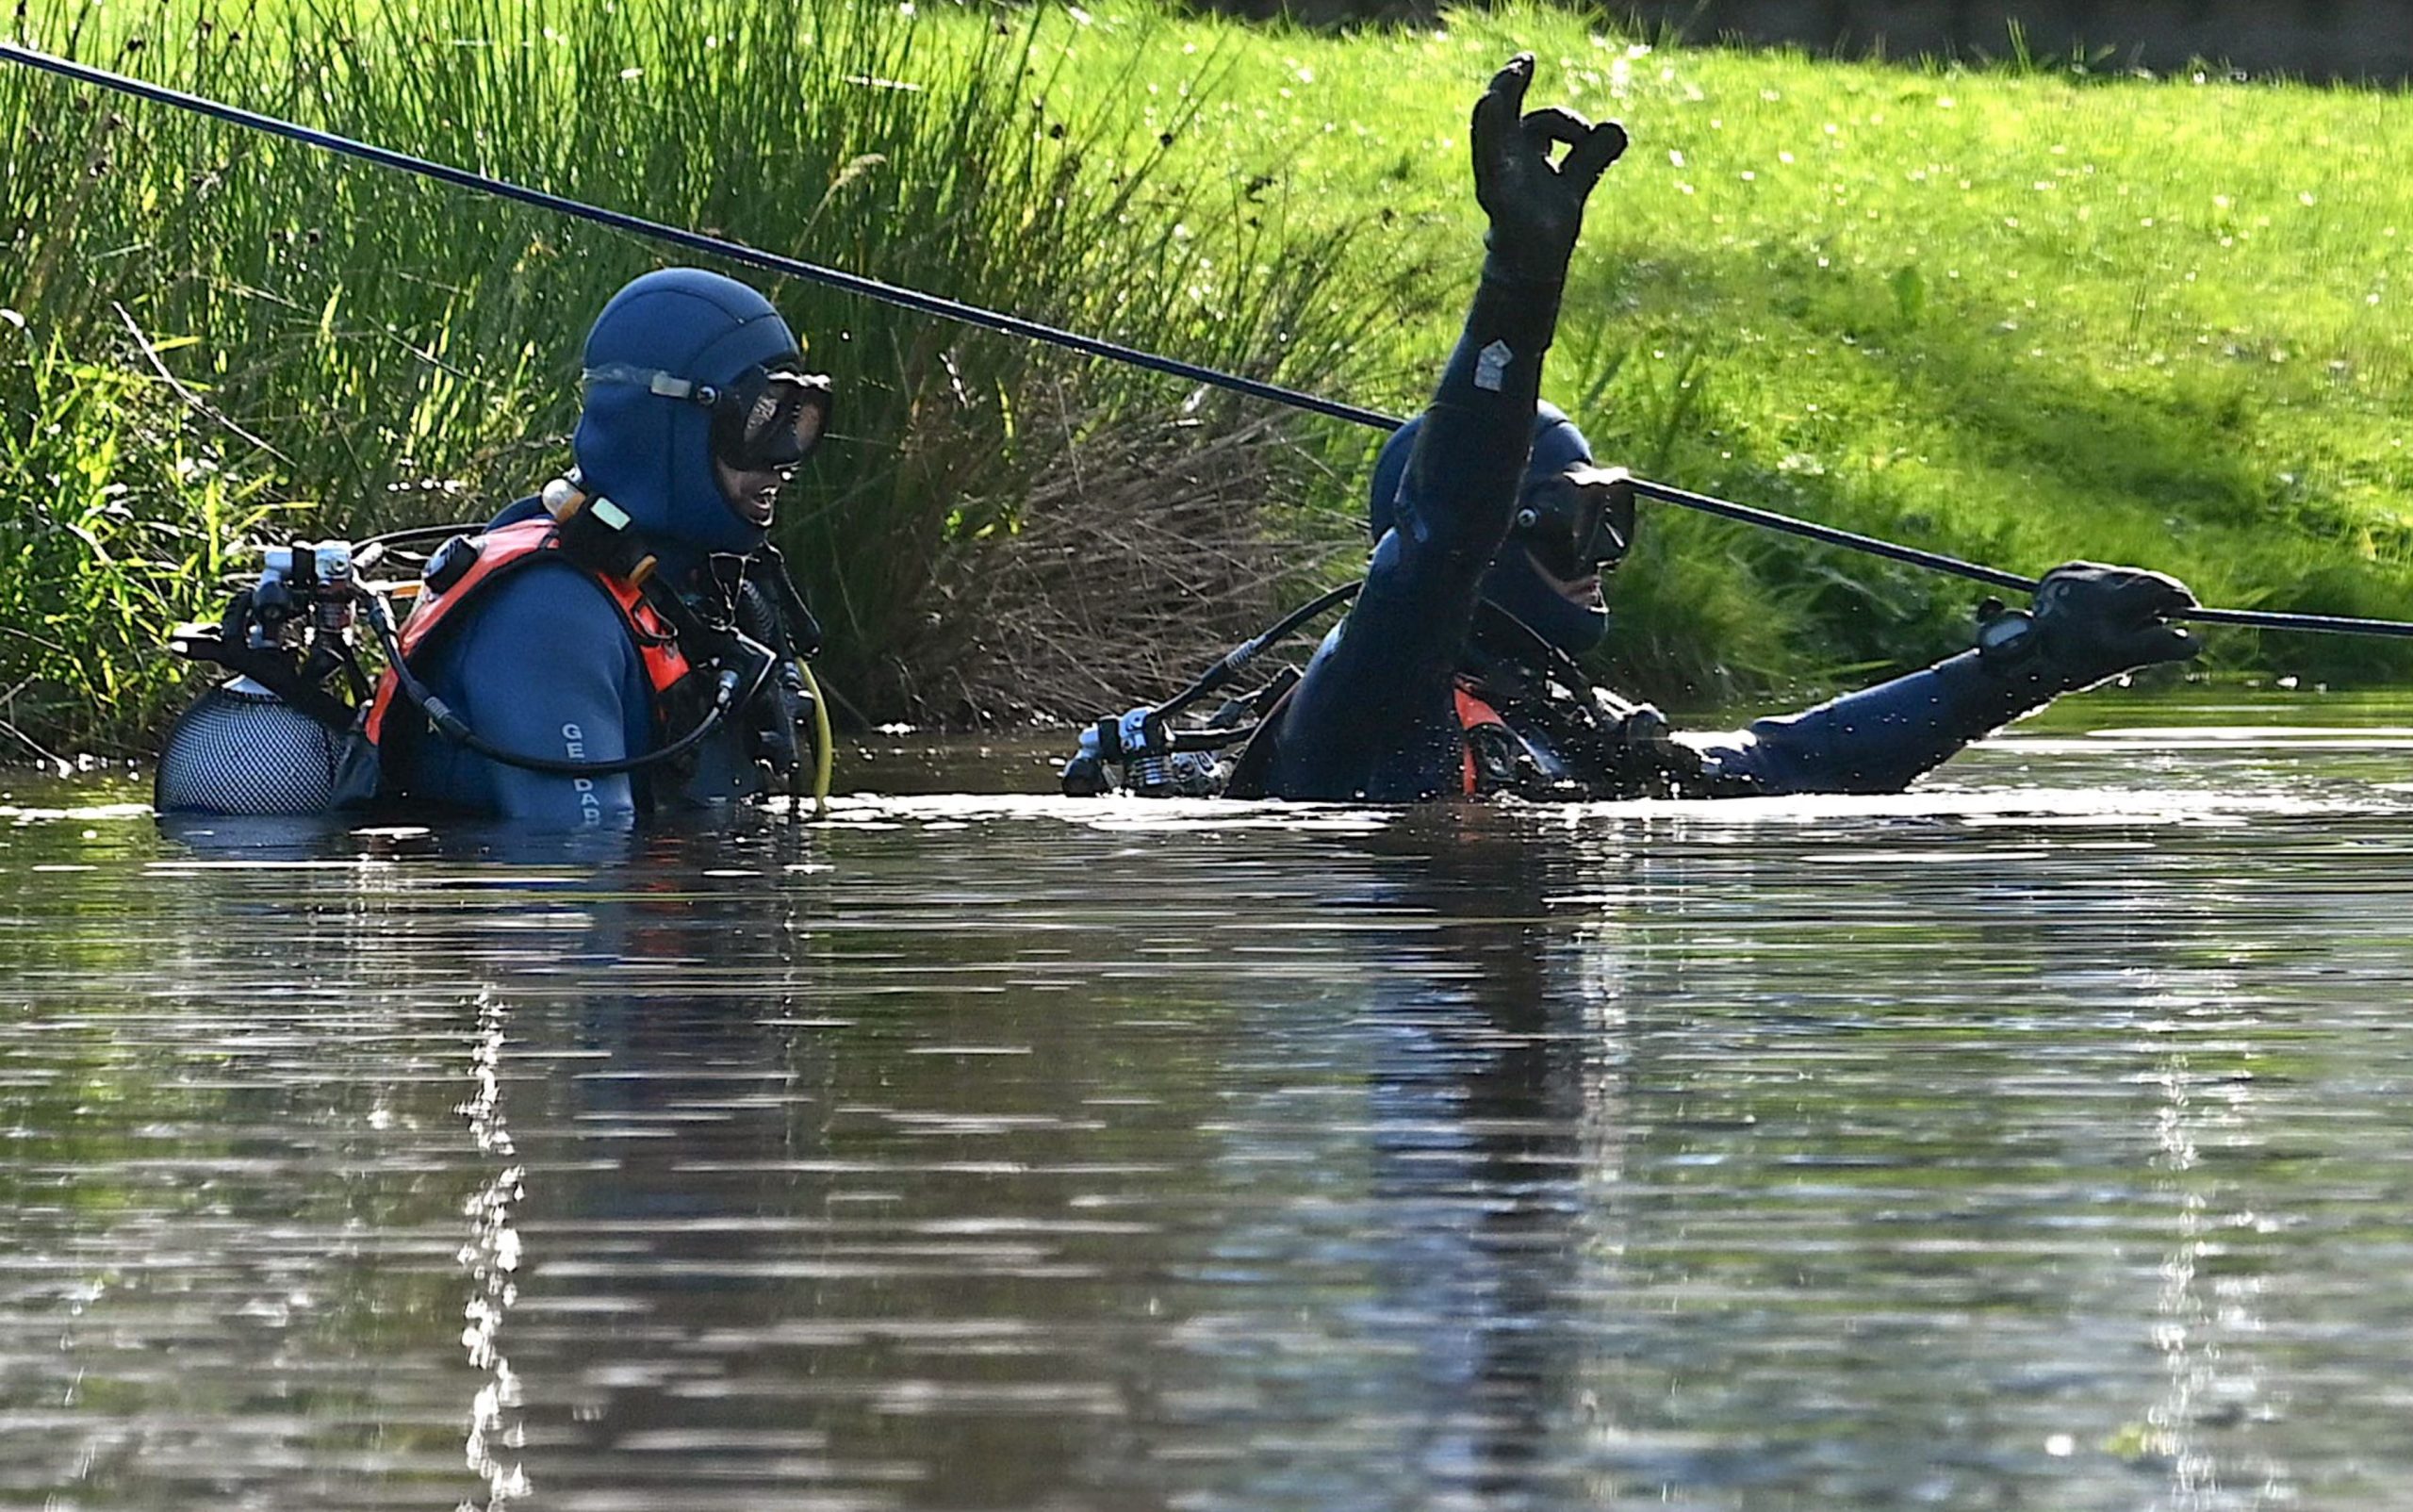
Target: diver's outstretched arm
2091 623
1372 716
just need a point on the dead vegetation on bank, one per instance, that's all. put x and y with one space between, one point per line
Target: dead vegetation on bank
1154 548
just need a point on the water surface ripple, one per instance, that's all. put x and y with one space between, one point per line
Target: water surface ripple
2032 1141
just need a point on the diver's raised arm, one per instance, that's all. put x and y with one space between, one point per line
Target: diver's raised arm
1463 474
1374 715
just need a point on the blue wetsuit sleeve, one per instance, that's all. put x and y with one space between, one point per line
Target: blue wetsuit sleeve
1372 717
1877 740
546 668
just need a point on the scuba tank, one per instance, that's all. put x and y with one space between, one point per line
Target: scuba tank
1144 753
269 740
240 749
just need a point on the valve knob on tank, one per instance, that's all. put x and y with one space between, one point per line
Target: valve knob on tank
561 496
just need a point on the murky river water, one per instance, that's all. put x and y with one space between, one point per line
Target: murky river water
2038 1140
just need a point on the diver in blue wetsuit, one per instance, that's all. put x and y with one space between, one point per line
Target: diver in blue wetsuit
599 624
1452 673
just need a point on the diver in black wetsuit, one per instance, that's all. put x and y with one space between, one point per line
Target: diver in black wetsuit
1453 672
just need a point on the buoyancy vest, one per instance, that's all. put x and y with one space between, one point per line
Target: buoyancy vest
1532 738
497 555
1505 748
1487 749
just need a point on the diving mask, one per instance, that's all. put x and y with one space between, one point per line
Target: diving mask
1579 521
767 418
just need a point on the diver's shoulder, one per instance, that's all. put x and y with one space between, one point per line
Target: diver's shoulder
548 601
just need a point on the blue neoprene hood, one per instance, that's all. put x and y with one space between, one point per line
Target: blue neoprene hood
651 454
1511 581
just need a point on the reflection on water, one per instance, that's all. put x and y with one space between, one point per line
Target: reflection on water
2034 1140
492 1260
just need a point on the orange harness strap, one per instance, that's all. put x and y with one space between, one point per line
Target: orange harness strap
1472 713
507 549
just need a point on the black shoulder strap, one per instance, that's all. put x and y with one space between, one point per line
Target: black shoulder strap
1254 768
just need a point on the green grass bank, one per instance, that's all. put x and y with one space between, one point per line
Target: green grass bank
2023 314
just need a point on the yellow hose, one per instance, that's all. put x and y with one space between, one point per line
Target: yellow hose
822 742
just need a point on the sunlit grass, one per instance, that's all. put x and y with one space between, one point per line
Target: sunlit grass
2021 313
2018 314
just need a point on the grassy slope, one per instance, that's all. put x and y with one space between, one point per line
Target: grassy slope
2022 315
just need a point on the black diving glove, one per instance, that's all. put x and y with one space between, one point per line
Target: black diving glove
2095 622
1536 207
777 713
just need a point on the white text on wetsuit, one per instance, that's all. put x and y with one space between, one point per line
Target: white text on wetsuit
590 808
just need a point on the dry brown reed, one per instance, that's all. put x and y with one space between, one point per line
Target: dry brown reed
1155 549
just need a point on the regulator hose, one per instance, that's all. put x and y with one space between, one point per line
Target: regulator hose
1236 660
452 727
823 743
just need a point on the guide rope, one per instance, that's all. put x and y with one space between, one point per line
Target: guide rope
912 299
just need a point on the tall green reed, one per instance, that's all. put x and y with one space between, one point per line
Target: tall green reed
384 350
122 509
